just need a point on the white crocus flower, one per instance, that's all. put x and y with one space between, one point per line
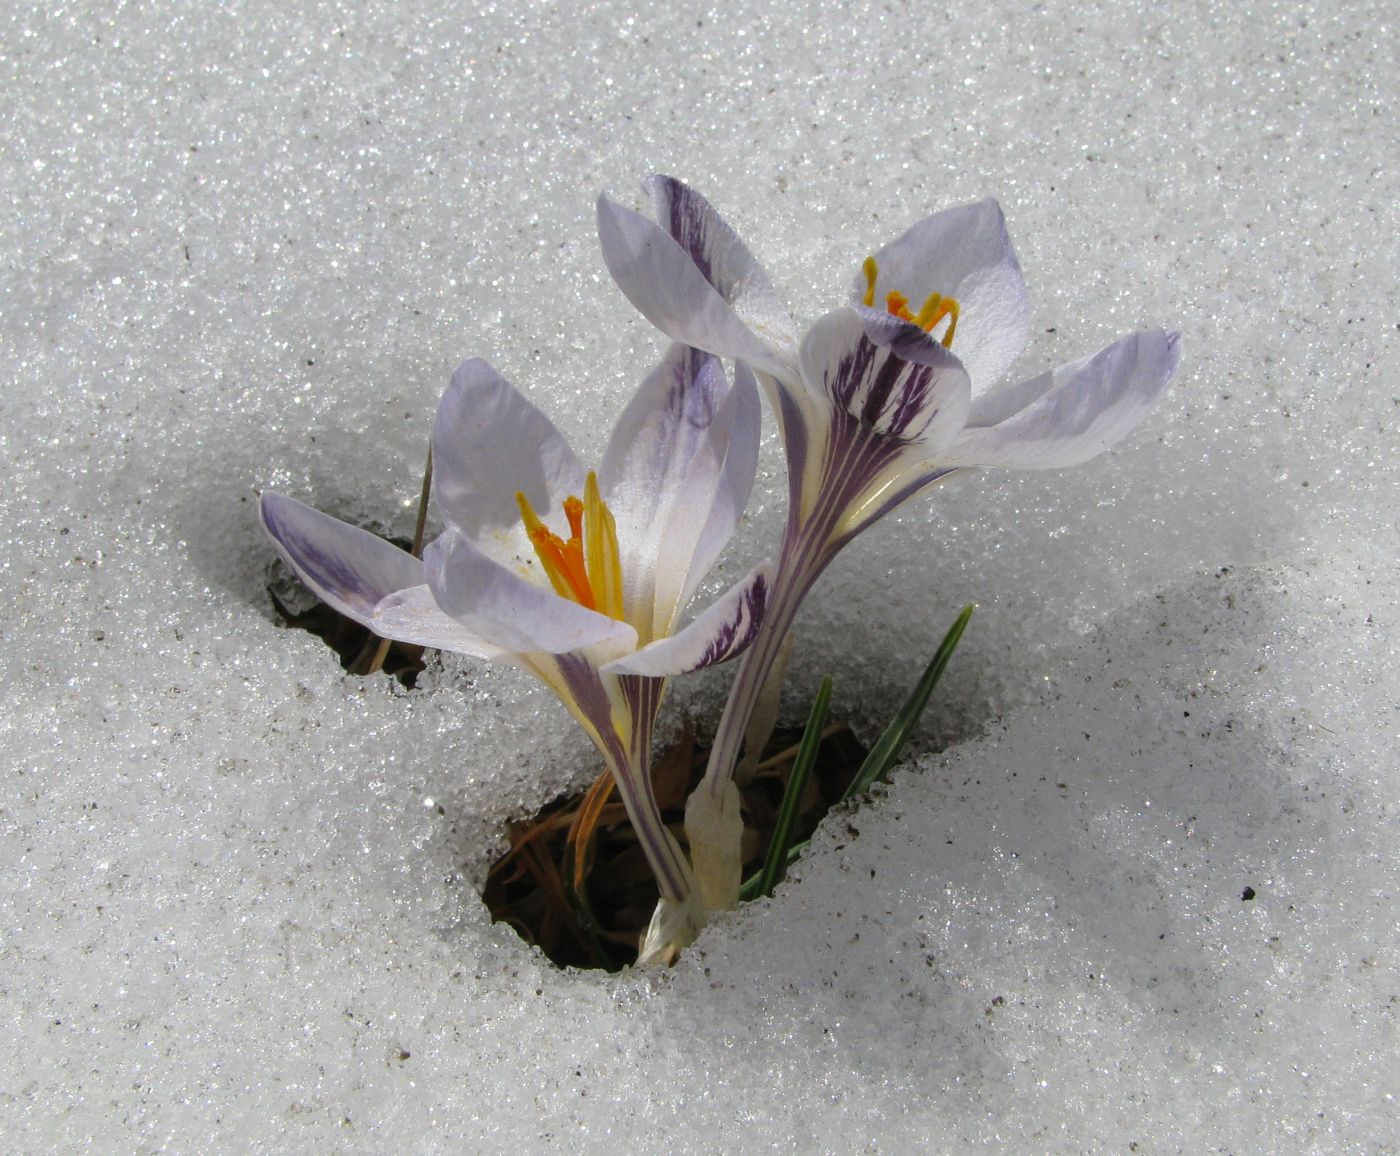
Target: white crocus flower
886 395
578 577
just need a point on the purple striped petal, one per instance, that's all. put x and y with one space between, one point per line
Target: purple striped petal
509 611
722 258
351 570
659 477
489 442
1078 410
671 291
365 578
964 253
668 422
722 632
920 394
803 420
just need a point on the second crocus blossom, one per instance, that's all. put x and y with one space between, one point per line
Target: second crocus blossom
881 398
578 576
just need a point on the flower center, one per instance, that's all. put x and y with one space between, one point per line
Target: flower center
587 568
933 310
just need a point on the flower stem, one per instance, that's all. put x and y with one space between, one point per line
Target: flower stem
810 542
785 596
808 547
618 712
631 768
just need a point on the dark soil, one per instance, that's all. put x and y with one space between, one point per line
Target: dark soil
600 923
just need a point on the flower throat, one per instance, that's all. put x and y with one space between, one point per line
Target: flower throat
586 568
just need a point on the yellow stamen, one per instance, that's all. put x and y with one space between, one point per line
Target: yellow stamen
925 317
934 309
604 560
573 553
545 545
872 270
562 561
586 568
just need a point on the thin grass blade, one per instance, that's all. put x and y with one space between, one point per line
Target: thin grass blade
776 860
887 747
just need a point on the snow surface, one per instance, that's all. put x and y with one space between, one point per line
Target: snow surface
245 244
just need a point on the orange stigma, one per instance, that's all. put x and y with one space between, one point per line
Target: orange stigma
586 568
934 309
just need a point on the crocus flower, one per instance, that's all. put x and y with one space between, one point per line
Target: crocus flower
882 397
579 577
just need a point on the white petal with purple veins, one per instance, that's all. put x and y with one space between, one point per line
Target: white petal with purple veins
1079 410
922 396
670 291
722 258
508 611
659 477
735 480
349 569
722 632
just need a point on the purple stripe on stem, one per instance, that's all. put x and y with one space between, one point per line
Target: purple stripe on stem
630 763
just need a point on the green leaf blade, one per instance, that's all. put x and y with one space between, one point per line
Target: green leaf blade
891 741
776 860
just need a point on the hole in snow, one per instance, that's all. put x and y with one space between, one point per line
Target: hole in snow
357 648
533 885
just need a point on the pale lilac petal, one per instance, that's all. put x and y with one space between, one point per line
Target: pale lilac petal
414 616
996 405
722 632
659 477
489 443
722 258
509 611
1079 410
920 394
349 569
735 480
670 291
963 253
